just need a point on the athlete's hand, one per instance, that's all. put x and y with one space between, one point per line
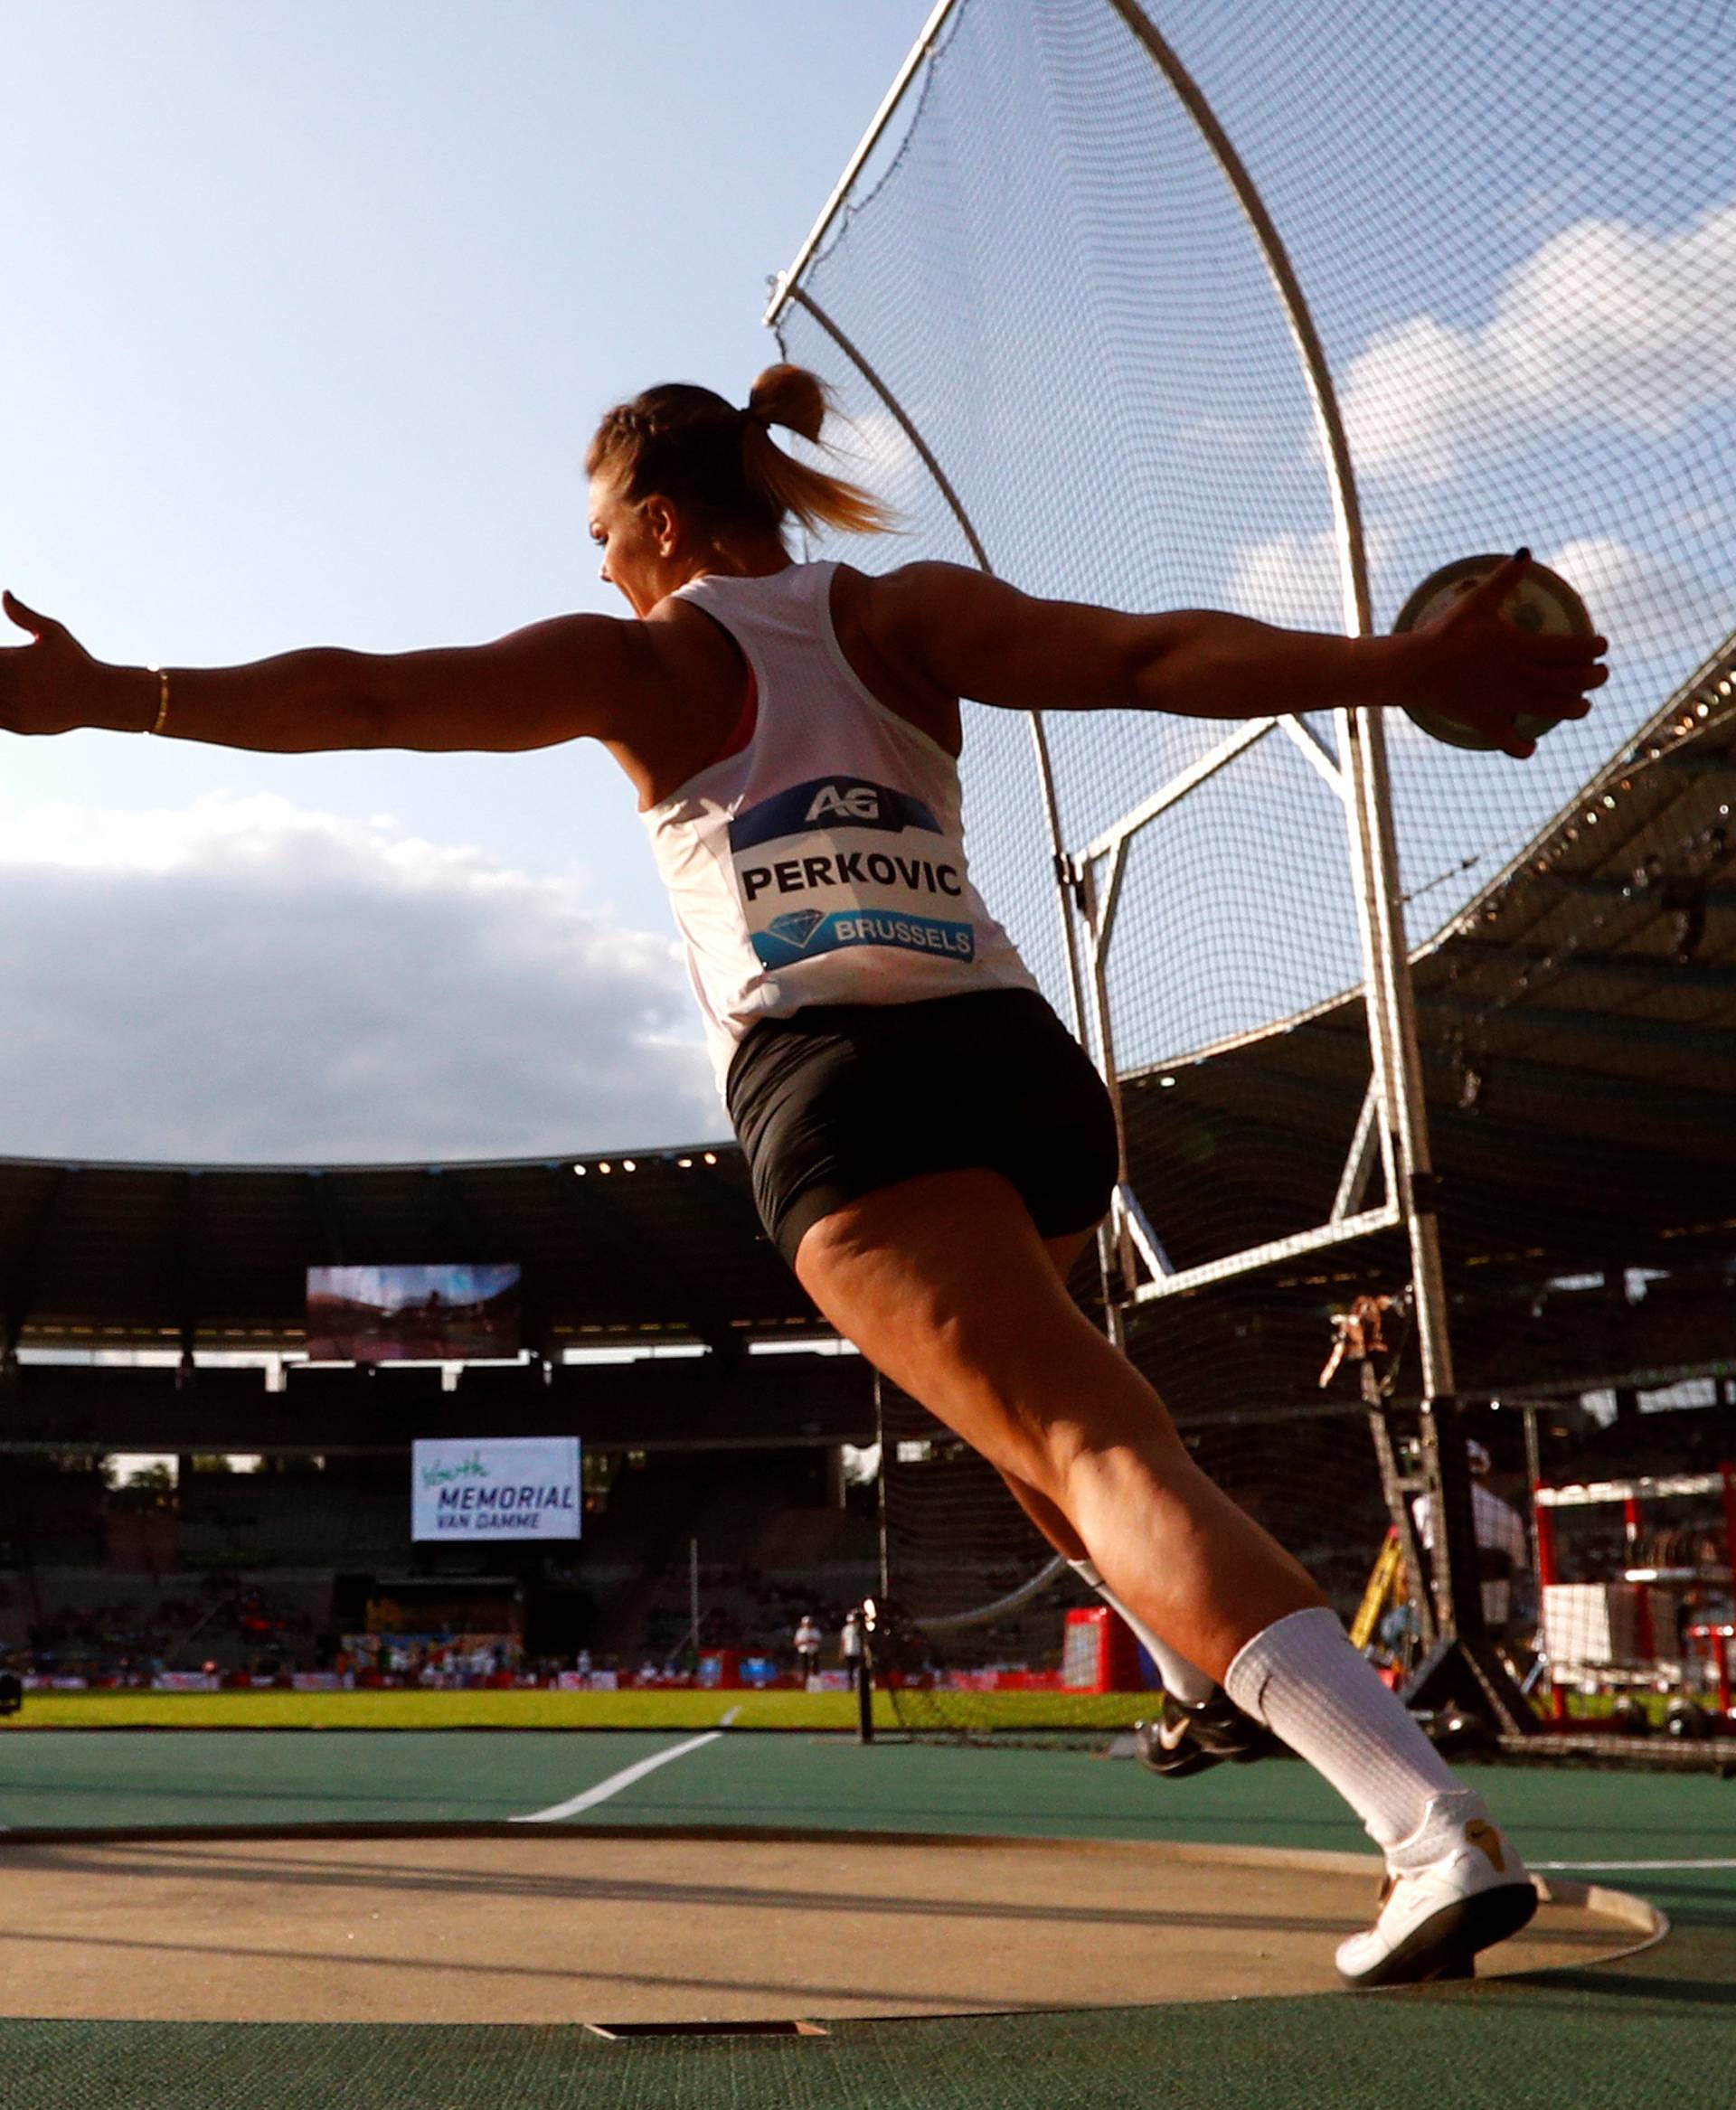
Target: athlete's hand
1475 666
52 685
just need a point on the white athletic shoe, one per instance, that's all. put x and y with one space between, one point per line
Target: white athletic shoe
1453 1888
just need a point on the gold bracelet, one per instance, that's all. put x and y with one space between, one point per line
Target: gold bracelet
162 674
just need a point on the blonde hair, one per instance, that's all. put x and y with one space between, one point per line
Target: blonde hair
690 444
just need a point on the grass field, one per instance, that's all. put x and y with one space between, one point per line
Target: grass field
813 1712
540 1710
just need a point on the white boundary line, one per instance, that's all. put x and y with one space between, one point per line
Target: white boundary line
1568 1867
616 1782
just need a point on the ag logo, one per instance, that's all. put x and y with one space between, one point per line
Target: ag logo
798 927
860 803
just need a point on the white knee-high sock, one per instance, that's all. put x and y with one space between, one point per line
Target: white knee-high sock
1179 1676
1302 1678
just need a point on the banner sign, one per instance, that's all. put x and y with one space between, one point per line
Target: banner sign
520 1487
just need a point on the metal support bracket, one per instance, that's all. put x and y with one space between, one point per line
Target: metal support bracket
1359 1160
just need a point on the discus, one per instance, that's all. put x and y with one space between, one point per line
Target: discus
1542 603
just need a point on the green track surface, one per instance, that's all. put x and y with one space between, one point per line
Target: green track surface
1658 2029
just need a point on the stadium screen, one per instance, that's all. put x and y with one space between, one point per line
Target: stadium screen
438 1313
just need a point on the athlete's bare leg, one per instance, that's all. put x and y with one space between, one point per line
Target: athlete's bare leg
1046 1517
1062 1253
944 1285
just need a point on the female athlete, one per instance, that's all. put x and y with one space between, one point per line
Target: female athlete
928 1147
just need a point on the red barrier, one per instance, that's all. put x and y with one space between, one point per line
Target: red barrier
1099 1652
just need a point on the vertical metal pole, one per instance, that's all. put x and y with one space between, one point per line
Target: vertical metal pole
1727 1476
1533 1481
1351 757
1062 869
1546 1574
1633 1518
880 1489
1114 1238
1456 1584
1363 753
1397 1488
864 1688
1397 1033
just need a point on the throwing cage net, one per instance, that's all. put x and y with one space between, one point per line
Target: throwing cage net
1166 307
984 1637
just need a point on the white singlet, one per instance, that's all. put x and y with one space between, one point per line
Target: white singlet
824 863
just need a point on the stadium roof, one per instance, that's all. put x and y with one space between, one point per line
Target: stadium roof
634 1249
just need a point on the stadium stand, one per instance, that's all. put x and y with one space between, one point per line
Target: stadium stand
252 1571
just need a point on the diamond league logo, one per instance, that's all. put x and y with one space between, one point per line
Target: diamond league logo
797 927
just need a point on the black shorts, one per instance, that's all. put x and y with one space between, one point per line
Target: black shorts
838 1101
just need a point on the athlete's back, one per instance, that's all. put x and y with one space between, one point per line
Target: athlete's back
823 860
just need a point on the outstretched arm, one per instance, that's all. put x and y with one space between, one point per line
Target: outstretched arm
555 681
977 637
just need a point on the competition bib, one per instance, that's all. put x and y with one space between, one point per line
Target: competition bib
843 862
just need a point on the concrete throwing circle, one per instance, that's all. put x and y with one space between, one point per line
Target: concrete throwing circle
575 1925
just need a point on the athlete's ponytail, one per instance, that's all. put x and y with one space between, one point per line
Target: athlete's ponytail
690 444
797 399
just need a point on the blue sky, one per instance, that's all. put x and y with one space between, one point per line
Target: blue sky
312 310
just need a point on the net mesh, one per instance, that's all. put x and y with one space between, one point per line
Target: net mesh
955 1538
1517 236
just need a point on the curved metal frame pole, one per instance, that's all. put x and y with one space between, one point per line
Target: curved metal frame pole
1392 1039
1114 1253
791 291
954 506
953 1621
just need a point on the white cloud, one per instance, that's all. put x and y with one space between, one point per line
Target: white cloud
1411 402
1291 579
245 981
1638 599
868 441
1296 581
1605 323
